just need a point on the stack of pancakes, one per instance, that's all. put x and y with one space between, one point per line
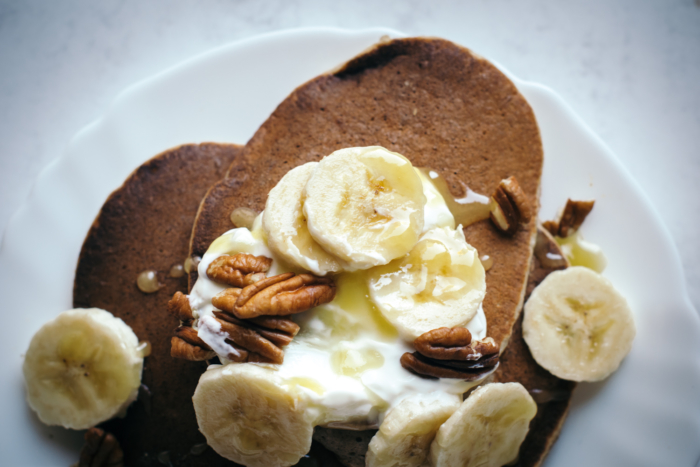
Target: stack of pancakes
436 103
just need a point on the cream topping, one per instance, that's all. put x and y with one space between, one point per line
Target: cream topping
344 360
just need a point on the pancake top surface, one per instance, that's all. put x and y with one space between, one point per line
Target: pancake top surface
428 99
146 224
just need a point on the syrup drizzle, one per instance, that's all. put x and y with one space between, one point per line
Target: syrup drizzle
147 281
473 207
486 261
243 217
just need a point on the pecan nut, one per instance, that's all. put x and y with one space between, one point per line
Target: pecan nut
279 331
509 207
226 299
428 368
179 306
571 218
179 348
453 344
101 449
282 295
451 353
238 270
251 341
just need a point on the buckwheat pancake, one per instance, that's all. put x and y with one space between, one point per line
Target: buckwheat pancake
431 100
146 224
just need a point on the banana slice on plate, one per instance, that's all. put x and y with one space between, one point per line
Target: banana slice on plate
577 326
248 415
285 225
439 283
487 430
408 429
82 368
365 205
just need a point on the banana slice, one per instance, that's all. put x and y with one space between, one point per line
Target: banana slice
248 415
285 225
577 326
365 205
441 282
408 429
82 368
487 430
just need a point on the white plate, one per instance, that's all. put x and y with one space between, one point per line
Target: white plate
648 413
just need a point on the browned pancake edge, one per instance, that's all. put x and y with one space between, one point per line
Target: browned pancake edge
146 224
552 394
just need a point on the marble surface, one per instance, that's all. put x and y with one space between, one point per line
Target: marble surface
630 69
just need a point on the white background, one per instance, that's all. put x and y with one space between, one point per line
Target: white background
630 69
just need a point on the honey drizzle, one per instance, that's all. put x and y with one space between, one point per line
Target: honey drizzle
486 261
177 270
243 217
580 252
147 281
473 207
191 263
144 348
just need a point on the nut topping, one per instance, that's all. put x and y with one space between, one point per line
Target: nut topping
238 270
282 295
451 353
278 337
179 306
101 449
252 341
251 309
226 300
181 349
510 206
571 218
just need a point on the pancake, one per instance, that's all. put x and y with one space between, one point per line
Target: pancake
146 224
432 101
438 104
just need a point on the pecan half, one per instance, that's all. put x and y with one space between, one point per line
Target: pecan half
451 353
273 329
179 348
571 218
510 206
179 306
238 270
428 368
226 299
101 449
252 341
282 295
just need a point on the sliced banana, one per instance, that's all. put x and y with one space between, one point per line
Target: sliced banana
577 326
365 205
439 283
487 430
285 225
408 429
248 415
82 368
